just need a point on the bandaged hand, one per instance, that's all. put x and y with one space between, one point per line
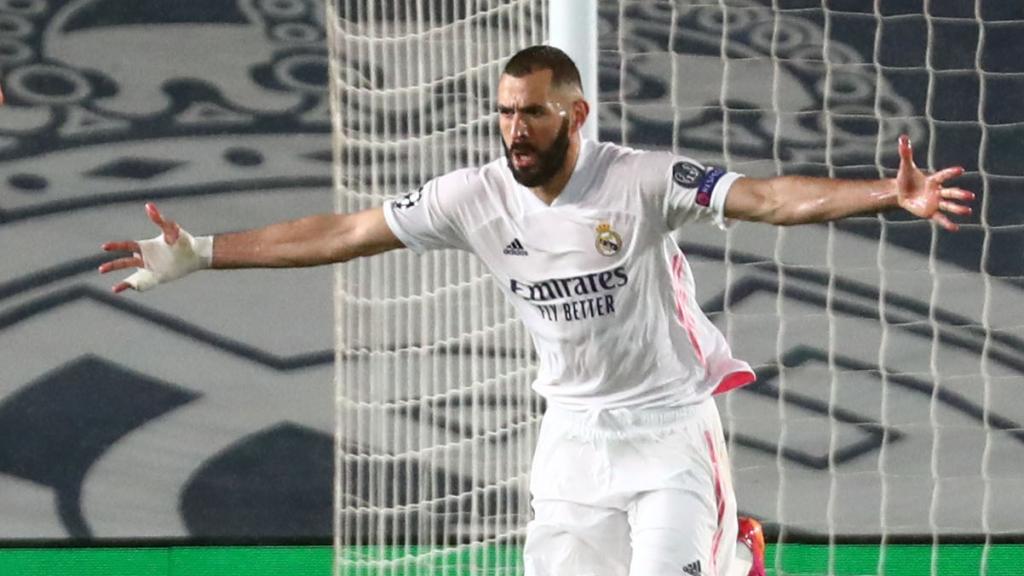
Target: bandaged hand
169 256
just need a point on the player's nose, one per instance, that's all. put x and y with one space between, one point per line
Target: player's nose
519 126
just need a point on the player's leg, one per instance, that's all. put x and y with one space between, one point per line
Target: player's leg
745 556
576 530
674 532
565 538
662 544
690 526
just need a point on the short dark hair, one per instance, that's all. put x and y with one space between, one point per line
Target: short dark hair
540 57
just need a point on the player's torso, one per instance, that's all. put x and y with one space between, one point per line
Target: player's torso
566 265
563 266
589 278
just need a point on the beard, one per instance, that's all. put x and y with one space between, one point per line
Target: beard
548 162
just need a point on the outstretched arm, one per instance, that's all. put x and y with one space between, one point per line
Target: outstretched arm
789 200
310 241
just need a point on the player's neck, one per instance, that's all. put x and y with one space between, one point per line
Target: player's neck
551 189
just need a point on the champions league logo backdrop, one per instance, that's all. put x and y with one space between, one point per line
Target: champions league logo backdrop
774 108
85 74
145 417
205 410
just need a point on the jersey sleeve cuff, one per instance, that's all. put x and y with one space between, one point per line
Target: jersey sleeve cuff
718 196
399 232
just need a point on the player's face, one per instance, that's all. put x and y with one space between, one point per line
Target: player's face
535 167
535 125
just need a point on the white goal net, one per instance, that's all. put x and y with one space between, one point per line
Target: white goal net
889 405
435 416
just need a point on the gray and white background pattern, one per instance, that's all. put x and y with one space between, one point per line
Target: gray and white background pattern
889 355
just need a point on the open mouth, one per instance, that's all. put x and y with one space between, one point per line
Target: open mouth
524 159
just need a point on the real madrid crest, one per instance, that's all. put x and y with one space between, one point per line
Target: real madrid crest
608 241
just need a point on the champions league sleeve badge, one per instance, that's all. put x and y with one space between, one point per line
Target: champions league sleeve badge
608 241
409 200
686 174
690 175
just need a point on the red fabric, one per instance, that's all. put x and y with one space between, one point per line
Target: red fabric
733 381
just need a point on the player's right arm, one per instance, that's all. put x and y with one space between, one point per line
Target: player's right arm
310 241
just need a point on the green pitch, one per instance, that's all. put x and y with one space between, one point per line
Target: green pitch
792 559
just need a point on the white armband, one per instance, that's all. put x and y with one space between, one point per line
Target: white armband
164 262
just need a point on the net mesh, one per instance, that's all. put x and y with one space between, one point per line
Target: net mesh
435 416
888 352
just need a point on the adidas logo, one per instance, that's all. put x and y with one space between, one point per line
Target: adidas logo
693 568
515 248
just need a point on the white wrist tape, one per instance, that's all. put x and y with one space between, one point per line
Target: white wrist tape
164 262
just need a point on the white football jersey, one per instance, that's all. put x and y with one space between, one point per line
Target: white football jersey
604 291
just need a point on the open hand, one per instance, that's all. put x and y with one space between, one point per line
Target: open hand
924 195
171 232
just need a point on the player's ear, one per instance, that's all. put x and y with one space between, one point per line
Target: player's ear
580 111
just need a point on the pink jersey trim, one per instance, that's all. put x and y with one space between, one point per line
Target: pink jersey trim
682 300
734 380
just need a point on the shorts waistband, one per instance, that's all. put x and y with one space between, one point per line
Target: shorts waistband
605 423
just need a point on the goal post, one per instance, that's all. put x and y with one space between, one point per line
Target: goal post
572 27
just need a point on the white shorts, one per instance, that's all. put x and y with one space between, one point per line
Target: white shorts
631 493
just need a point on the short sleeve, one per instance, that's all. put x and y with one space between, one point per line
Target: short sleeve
431 218
684 190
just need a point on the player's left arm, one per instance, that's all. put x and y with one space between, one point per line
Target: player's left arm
790 200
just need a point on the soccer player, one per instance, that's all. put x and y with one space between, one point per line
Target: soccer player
630 474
